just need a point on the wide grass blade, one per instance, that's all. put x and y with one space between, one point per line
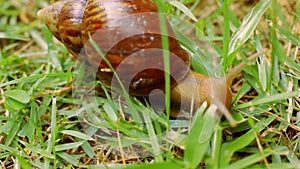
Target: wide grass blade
172 164
184 9
197 141
29 129
229 148
68 158
269 99
68 146
153 138
77 134
247 28
249 160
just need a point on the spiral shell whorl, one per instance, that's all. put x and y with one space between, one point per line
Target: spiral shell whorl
64 20
50 16
94 19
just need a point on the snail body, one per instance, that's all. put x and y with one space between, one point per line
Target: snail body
128 33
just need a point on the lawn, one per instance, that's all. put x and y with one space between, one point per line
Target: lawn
55 113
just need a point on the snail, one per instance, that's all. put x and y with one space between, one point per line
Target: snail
128 32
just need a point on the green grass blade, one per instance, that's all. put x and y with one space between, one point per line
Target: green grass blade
226 34
110 112
33 78
77 134
269 99
295 40
216 148
29 129
284 165
249 160
229 148
68 146
184 9
23 163
167 67
15 127
174 164
52 136
37 150
153 138
198 139
68 158
262 65
18 95
9 149
248 26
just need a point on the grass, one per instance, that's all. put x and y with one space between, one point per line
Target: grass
48 121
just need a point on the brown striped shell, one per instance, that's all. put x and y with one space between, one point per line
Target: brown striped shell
127 31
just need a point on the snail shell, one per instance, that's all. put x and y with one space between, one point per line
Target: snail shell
123 29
